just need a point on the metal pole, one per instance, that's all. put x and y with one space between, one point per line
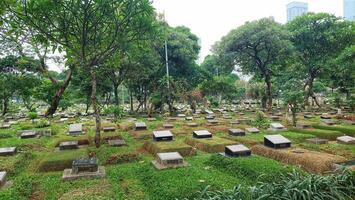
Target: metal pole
167 62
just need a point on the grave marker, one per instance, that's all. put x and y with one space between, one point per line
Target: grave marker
202 134
276 141
169 160
75 129
346 139
162 135
237 150
236 132
252 130
7 151
68 145
140 126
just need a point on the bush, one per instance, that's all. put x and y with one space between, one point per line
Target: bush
261 120
42 123
117 111
32 115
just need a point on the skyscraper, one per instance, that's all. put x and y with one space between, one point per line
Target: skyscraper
295 9
349 10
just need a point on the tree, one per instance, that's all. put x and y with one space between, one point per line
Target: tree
257 47
317 38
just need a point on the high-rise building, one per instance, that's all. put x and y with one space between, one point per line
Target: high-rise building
349 10
295 9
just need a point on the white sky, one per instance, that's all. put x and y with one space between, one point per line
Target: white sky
212 19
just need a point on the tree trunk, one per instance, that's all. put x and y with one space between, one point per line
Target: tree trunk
96 108
131 100
268 92
58 95
115 91
294 118
5 106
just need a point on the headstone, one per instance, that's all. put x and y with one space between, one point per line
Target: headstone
192 124
349 122
317 141
235 122
140 126
84 167
28 134
63 119
325 116
3 175
276 141
244 121
275 118
7 151
116 143
212 122
181 115
209 117
236 132
209 112
151 119
303 126
169 160
168 126
109 129
46 133
276 126
308 116
5 125
68 145
162 135
172 119
227 117
237 150
75 129
202 134
252 130
189 118
328 121
346 139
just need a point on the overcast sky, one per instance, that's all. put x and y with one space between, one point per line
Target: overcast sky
212 19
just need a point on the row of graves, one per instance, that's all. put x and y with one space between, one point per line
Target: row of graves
88 167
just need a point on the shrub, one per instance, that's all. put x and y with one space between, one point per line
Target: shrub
42 123
116 111
32 115
261 120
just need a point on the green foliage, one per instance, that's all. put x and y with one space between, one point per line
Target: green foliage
32 115
326 134
42 123
339 128
261 120
292 186
116 111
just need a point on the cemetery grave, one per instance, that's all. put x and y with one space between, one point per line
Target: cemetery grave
162 136
238 150
84 168
75 129
169 160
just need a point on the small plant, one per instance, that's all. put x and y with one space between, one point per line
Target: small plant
116 111
261 120
42 123
32 116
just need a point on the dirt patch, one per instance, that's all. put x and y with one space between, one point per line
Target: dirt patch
311 161
36 194
93 192
122 158
210 145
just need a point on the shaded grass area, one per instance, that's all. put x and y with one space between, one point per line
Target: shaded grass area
345 129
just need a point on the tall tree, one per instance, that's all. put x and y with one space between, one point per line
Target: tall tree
257 47
90 31
317 38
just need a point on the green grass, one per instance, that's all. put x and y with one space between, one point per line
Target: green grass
345 129
326 134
